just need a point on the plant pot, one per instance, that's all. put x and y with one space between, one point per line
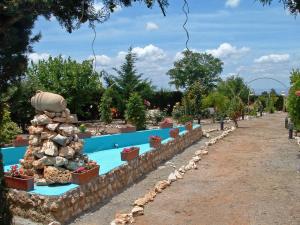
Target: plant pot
164 125
127 156
174 133
82 135
189 126
155 143
20 143
85 177
25 183
127 129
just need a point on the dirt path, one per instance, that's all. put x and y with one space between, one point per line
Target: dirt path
250 177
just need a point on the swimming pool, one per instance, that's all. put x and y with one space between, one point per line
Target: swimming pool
105 150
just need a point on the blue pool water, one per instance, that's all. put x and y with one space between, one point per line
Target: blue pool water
99 148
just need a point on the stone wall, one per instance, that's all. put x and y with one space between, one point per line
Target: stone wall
62 208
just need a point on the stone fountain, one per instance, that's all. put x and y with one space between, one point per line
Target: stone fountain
54 149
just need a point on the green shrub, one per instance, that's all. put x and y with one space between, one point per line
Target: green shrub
8 129
293 104
104 107
135 111
184 119
235 109
5 213
178 111
82 128
155 116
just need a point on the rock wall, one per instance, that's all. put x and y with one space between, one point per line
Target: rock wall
62 208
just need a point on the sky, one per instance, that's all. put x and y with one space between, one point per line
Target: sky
252 40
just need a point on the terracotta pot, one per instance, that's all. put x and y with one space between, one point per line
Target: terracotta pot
155 143
46 101
82 135
20 142
25 183
127 156
164 125
127 129
189 126
174 133
85 177
297 93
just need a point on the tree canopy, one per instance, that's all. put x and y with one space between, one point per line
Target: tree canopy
195 66
17 19
292 5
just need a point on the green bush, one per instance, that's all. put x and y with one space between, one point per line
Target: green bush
82 128
293 104
178 111
104 107
184 119
5 213
235 109
135 111
155 116
8 129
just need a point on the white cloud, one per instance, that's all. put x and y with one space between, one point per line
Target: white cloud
232 3
226 50
273 58
35 57
149 52
151 26
101 60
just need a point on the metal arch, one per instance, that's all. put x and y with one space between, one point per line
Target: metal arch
268 78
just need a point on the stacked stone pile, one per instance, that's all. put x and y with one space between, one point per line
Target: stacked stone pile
54 148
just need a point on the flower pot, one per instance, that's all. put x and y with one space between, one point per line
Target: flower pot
155 143
85 177
82 135
164 125
189 126
127 156
20 142
25 183
127 129
174 133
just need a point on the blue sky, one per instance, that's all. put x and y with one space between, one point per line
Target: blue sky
252 40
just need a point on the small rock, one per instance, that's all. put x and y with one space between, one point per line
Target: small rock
52 126
41 182
137 211
67 152
172 177
72 119
181 169
67 129
60 161
61 140
50 148
178 175
74 165
35 130
41 120
50 114
196 158
59 119
54 223
160 185
140 201
149 197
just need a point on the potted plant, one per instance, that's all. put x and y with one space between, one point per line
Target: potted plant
83 132
129 153
174 132
155 141
20 141
127 128
189 126
166 123
15 178
85 173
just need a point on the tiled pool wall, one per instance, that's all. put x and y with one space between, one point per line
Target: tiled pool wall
62 208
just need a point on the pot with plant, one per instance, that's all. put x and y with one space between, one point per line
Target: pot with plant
189 126
15 178
86 173
166 123
20 141
131 153
83 133
155 141
174 133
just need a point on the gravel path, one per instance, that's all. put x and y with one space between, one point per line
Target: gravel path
250 177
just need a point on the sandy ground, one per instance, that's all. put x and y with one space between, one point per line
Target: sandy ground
250 177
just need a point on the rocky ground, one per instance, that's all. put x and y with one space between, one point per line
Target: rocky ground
250 177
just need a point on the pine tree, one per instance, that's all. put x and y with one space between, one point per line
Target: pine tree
135 111
128 81
105 105
5 213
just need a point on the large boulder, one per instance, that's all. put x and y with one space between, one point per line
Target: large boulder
56 175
